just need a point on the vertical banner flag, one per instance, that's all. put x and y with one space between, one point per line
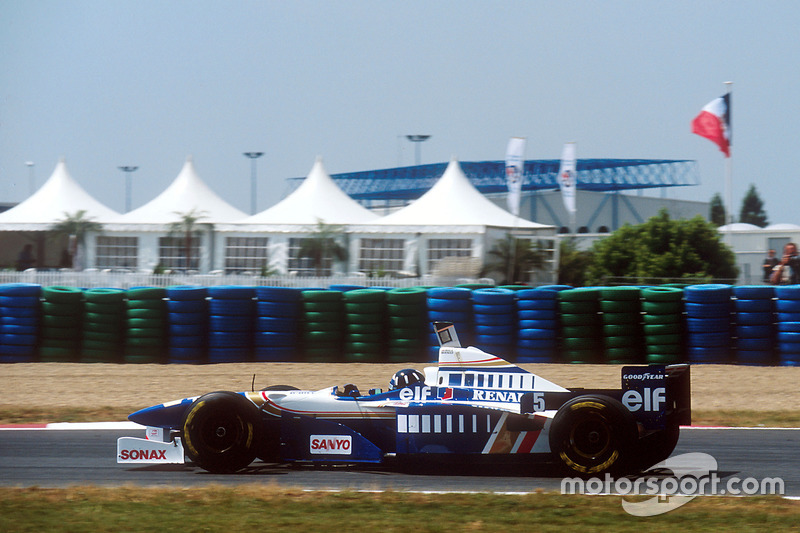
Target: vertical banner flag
514 164
714 123
568 177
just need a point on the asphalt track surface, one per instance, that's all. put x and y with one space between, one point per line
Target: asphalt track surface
67 457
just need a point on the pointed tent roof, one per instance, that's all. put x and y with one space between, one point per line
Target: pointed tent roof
186 193
454 201
318 198
58 195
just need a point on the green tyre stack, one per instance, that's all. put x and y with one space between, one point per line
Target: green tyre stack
581 325
622 324
62 317
663 324
408 326
104 324
323 325
365 318
146 325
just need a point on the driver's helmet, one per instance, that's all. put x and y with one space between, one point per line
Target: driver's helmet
406 377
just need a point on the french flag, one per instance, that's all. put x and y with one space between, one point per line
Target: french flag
714 123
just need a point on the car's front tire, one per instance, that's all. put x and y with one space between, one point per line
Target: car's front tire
220 432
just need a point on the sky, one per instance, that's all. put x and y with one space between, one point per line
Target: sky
148 83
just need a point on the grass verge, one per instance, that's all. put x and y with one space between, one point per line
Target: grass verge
218 508
34 415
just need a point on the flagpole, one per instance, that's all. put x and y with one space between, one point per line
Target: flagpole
729 176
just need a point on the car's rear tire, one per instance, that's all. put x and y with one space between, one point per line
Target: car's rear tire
221 432
592 435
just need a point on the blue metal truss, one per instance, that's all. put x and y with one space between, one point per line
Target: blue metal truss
604 175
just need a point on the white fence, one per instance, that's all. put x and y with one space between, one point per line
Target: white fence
126 280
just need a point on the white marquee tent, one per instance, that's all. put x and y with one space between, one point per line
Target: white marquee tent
58 196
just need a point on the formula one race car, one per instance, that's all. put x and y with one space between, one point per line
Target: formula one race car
473 406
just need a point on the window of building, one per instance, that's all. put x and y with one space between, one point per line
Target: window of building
172 253
381 255
439 248
245 254
117 252
304 266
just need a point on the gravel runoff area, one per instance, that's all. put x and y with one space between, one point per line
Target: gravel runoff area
714 387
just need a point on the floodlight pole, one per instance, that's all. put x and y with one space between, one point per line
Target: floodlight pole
31 179
417 140
253 156
128 170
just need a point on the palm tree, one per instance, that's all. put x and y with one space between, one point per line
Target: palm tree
75 227
186 229
515 257
322 246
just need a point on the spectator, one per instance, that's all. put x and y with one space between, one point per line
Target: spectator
787 271
25 259
769 264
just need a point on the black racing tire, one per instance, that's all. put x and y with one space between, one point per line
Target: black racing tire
593 435
655 447
220 432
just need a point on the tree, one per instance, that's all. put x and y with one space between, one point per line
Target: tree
716 211
663 249
572 263
185 230
323 246
752 211
523 253
75 227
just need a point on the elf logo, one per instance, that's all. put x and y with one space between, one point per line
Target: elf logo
331 444
647 400
142 455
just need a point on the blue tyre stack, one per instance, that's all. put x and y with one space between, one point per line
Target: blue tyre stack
231 312
103 325
187 319
450 304
277 333
788 306
323 325
62 317
663 324
494 313
19 322
407 322
365 318
755 324
581 324
708 322
146 335
537 325
622 324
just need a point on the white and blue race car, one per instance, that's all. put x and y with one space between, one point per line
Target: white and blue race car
472 407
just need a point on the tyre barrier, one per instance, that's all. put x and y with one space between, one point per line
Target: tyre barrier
365 307
62 311
19 322
622 324
323 327
450 304
230 323
103 333
492 309
755 324
407 324
146 325
537 321
182 324
187 322
711 307
581 325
